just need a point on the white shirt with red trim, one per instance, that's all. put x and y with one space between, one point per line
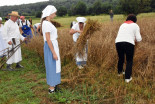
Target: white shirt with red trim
129 32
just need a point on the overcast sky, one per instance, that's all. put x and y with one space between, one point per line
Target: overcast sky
18 2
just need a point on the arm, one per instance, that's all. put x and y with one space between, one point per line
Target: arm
32 27
51 46
138 35
29 24
72 31
21 31
38 29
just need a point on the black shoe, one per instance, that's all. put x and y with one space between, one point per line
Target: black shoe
57 89
51 91
9 68
19 66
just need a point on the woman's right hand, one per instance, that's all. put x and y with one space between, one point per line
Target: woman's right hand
79 31
55 56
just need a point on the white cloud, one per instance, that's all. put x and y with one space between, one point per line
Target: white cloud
18 2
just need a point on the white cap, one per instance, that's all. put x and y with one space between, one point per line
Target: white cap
50 9
0 18
81 19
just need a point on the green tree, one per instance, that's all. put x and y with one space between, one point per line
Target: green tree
153 5
134 6
106 7
71 11
38 14
97 7
89 11
81 8
62 11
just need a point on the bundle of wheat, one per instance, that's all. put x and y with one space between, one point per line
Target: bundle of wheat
90 27
56 24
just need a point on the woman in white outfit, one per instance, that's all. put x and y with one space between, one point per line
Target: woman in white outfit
76 30
51 48
3 45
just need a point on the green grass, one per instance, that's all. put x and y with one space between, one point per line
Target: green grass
28 86
65 21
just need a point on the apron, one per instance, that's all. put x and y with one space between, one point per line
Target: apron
56 48
16 57
78 58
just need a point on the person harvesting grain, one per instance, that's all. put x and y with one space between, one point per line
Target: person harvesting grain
128 34
76 30
36 29
51 48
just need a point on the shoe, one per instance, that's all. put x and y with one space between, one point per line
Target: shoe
19 66
57 89
9 68
80 67
128 80
51 91
123 73
120 74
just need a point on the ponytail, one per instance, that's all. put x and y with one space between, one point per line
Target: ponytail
41 25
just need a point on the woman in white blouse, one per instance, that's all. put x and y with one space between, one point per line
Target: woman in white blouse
76 30
128 34
51 49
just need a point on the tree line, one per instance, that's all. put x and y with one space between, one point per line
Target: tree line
83 7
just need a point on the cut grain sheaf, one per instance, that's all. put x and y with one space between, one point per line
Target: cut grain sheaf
89 29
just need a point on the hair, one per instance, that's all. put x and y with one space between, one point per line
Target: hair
30 20
132 17
41 25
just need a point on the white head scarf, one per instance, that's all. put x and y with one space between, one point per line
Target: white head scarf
81 19
50 9
0 18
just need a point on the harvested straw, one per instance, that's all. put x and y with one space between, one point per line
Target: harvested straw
56 24
89 29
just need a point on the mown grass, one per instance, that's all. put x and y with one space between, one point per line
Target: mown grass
97 83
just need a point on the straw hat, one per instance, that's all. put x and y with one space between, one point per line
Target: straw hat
14 13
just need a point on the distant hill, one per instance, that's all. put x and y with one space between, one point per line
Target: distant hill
31 9
91 7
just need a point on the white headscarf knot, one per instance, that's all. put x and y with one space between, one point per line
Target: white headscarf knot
50 9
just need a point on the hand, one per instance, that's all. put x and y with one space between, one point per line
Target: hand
10 43
25 39
55 56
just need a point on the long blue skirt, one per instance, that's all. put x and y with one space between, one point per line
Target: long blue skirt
52 77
